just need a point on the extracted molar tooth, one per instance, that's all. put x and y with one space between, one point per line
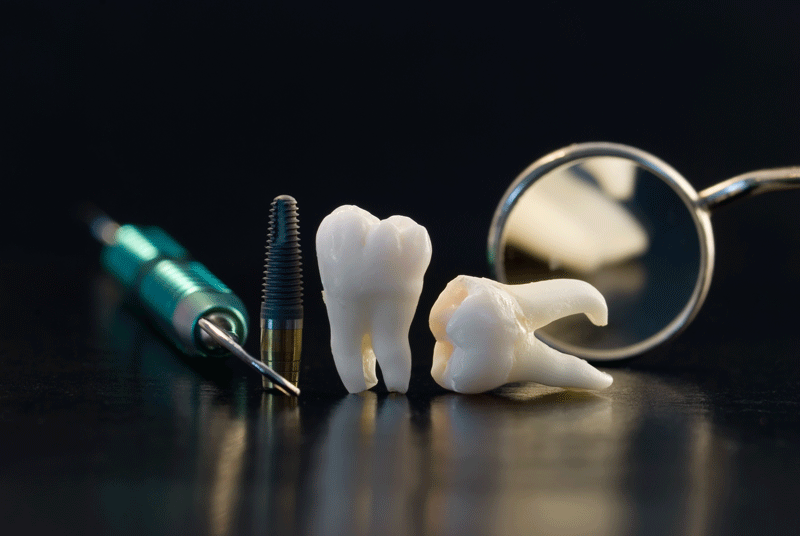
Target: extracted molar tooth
372 274
485 338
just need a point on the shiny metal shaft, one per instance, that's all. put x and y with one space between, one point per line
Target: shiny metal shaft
281 344
230 344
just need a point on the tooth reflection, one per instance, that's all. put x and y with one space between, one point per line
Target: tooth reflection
366 469
525 452
578 463
616 176
570 223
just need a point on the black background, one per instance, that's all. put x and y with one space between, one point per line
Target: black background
194 115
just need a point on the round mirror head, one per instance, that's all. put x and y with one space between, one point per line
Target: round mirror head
619 219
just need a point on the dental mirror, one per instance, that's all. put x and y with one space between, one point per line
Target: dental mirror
629 224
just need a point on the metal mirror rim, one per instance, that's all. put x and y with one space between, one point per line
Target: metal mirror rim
692 201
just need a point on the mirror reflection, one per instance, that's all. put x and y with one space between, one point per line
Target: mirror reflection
611 222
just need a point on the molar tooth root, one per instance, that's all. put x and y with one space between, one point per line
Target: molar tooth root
391 321
351 345
372 272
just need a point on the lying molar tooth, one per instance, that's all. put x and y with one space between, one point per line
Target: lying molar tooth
372 274
485 338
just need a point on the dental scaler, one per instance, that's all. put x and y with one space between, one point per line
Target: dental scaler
191 306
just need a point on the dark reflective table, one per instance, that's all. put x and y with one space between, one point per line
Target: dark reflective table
105 429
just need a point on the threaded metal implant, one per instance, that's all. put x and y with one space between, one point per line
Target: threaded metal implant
282 304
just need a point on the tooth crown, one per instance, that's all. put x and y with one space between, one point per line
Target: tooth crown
476 328
372 274
485 334
364 254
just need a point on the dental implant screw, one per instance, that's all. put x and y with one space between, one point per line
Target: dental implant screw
282 304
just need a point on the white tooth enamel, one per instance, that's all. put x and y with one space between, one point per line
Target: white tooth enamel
372 274
485 338
571 223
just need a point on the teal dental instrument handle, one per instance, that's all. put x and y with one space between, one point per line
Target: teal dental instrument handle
188 303
174 290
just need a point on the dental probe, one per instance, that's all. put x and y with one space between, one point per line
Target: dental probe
190 305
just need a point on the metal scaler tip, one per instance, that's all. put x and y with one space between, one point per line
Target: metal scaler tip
282 305
230 343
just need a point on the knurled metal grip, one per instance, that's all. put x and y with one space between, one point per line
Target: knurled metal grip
176 290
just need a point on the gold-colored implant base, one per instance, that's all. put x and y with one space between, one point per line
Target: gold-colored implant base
280 350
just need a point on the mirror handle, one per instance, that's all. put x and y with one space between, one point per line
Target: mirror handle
749 184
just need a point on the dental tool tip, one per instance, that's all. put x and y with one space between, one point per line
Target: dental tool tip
229 343
282 304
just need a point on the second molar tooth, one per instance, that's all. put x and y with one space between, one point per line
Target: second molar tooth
485 338
372 273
